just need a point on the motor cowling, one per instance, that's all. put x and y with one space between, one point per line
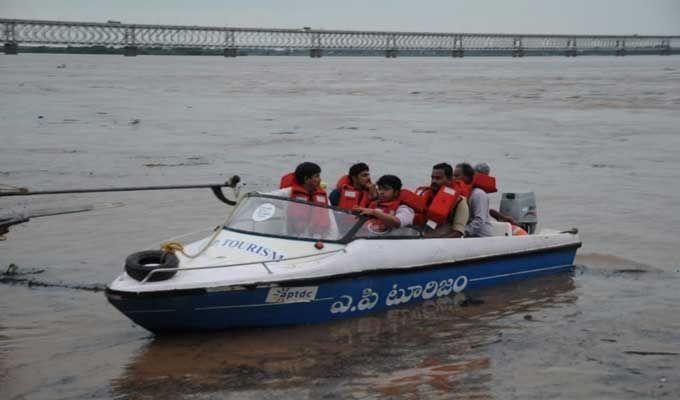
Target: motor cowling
522 207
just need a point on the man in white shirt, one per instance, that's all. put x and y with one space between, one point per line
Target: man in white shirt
480 220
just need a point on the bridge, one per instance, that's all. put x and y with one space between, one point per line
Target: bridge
231 41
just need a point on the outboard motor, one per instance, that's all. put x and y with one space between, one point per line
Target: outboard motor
522 207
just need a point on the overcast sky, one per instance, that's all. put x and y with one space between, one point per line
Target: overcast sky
660 17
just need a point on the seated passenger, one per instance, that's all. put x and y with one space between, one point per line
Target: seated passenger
479 224
445 211
354 189
305 184
483 169
388 209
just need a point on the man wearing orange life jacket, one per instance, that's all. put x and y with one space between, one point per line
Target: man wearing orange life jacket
305 184
388 208
483 169
354 189
446 211
478 201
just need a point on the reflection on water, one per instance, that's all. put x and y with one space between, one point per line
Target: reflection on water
3 354
427 349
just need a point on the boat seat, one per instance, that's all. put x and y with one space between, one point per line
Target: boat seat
500 228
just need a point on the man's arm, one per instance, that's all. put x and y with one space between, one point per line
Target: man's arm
498 216
390 221
461 215
479 212
405 214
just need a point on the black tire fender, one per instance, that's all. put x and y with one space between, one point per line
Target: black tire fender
139 265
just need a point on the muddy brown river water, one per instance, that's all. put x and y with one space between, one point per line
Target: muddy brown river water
596 139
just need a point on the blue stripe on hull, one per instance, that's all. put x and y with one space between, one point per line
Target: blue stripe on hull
332 299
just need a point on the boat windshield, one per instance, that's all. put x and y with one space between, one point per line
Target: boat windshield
281 217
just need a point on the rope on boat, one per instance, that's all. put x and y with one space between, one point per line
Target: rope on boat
176 246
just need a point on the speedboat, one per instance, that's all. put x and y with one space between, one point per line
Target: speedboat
280 261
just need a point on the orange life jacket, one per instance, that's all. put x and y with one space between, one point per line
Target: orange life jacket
287 180
411 199
349 196
388 207
485 182
462 188
517 231
439 206
299 216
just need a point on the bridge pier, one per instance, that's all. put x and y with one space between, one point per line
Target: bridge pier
231 52
457 53
315 53
11 48
620 48
130 51
391 53
665 47
517 48
571 51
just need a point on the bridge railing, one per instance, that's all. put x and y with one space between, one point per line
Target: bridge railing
64 33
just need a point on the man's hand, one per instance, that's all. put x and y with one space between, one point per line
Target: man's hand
369 212
372 190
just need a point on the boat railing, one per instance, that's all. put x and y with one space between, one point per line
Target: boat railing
263 263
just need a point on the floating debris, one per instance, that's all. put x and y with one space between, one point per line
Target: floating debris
11 270
14 276
652 353
36 283
630 271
